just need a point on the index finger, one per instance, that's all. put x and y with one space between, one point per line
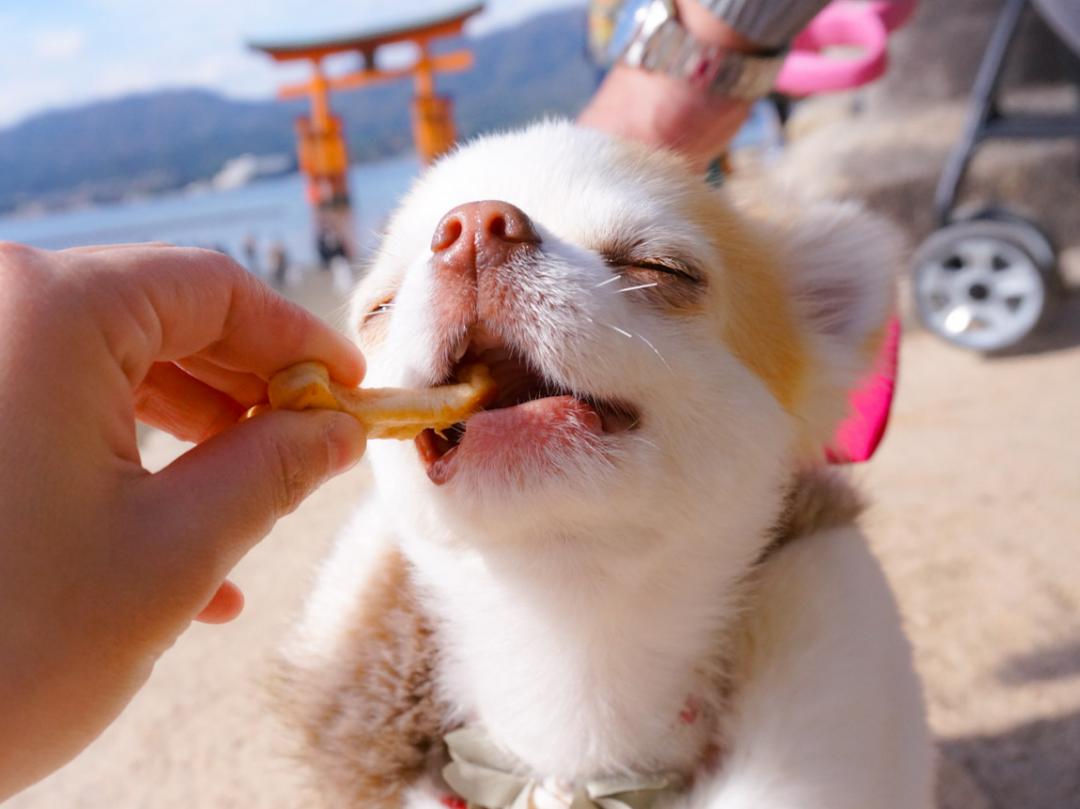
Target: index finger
167 303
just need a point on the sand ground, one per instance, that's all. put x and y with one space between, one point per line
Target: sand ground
976 519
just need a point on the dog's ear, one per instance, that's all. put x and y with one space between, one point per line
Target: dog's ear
837 266
840 267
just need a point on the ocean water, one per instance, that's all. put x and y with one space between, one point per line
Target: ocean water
268 210
272 210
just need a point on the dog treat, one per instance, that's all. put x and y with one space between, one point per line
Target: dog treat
385 412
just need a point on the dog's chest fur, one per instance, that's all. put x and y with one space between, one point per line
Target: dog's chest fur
576 670
576 693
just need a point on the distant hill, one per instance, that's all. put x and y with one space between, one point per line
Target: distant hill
166 139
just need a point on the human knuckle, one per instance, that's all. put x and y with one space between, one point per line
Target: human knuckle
295 476
15 256
215 260
28 282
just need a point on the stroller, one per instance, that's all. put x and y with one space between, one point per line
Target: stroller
988 278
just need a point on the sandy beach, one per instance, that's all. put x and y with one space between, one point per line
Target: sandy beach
976 519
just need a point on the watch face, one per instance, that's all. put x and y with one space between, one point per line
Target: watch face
626 25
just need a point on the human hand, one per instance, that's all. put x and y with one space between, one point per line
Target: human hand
666 112
102 564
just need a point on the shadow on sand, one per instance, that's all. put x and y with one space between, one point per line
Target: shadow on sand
1035 765
1060 333
1054 663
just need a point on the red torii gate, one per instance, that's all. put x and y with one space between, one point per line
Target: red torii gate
321 143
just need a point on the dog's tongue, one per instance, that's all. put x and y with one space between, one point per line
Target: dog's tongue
533 432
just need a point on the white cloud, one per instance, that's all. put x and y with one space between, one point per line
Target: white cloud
499 13
60 44
112 47
35 94
116 80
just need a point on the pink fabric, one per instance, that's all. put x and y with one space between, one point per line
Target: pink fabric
864 26
894 13
862 431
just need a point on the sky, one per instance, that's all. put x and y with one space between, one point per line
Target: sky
58 53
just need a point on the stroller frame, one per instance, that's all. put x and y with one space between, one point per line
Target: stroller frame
985 118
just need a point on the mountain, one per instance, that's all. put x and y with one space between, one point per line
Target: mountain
166 139
139 143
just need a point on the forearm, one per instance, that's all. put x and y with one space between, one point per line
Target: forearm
669 112
666 111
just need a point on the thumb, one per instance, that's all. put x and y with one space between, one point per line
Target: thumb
220 498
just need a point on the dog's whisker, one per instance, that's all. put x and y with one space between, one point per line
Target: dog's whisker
623 332
645 340
611 280
656 351
639 286
645 441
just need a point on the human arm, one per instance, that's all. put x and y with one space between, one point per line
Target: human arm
666 111
102 564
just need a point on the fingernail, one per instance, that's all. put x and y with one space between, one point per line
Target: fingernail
348 440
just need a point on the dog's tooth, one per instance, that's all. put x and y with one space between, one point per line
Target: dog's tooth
459 352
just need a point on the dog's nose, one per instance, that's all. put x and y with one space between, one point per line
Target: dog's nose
482 235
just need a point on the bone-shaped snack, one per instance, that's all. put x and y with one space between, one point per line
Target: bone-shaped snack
385 412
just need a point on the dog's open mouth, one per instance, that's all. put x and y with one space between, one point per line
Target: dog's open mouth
530 418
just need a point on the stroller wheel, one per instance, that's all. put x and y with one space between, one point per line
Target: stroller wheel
985 284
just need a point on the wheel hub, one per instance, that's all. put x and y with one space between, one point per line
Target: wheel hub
978 289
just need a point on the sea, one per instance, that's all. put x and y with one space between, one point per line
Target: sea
265 211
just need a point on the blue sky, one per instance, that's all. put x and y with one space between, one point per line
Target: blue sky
65 52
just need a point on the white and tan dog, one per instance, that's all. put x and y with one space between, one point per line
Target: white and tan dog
631 568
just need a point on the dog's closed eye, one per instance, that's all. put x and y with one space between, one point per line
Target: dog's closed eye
666 280
666 266
380 308
373 323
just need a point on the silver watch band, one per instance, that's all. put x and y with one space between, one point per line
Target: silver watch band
769 23
663 45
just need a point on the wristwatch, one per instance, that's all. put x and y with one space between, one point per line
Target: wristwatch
648 35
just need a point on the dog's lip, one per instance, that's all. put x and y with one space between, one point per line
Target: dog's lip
502 437
530 415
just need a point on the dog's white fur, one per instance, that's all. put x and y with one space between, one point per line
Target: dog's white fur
575 612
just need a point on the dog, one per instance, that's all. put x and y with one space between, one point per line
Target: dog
631 581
